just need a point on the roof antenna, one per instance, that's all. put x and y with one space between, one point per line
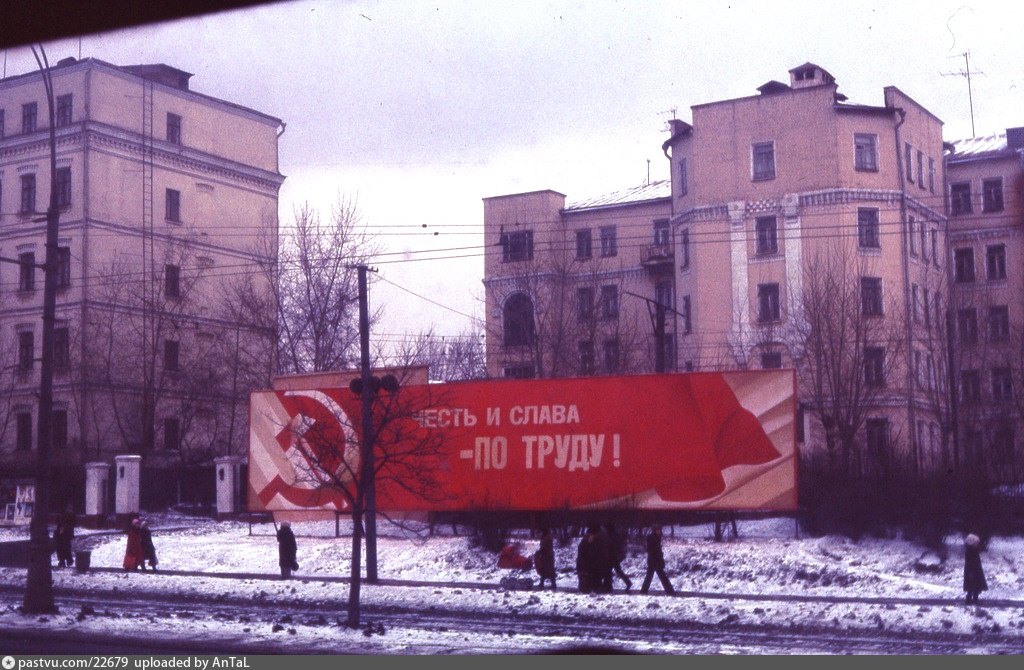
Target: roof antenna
648 172
966 73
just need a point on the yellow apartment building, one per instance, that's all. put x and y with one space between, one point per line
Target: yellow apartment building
168 201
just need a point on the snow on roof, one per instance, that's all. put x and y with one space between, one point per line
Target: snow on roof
652 191
977 147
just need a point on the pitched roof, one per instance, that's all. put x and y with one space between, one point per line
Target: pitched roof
979 147
655 190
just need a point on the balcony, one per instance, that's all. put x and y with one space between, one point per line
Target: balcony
657 257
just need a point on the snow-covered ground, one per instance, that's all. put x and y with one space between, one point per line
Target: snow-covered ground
768 559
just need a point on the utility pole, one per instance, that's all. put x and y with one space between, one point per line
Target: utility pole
39 580
368 466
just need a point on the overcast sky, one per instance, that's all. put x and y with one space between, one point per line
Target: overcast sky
421 109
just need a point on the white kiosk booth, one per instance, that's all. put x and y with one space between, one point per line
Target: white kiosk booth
228 473
127 474
97 489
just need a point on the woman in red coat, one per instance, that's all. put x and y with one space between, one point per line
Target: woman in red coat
133 557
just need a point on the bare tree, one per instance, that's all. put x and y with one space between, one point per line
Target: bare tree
315 286
449 358
844 349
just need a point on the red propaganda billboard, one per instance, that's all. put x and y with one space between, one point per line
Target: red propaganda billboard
715 441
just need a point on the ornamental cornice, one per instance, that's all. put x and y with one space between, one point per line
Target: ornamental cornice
194 164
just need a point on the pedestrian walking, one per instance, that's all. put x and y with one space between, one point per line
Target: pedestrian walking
63 535
656 562
544 559
603 560
588 562
617 551
974 576
148 550
133 558
287 550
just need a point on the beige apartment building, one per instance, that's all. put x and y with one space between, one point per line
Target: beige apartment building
802 231
986 188
579 289
168 204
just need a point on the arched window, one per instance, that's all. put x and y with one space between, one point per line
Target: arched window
518 320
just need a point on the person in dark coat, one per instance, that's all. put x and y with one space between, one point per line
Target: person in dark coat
148 550
656 562
588 562
544 559
133 558
286 550
617 552
974 576
63 536
603 560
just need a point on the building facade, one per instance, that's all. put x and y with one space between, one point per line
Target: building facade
803 231
986 208
579 289
168 205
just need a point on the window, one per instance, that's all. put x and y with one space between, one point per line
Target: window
661 232
687 321
924 242
663 293
871 296
584 244
172 434
908 165
173 205
26 350
970 386
771 360
518 321
935 247
931 175
584 303
173 128
611 355
1002 384
763 160
876 436
912 228
29 113
683 186
964 261
63 267
61 348
586 357
172 281
865 153
684 249
915 303
27 271
960 198
1 124
918 370
63 184
608 241
519 372
24 431
920 170
967 325
992 195
670 352
609 301
867 228
517 246
874 366
927 309
995 261
767 235
63 110
59 429
28 193
768 309
999 322
171 348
